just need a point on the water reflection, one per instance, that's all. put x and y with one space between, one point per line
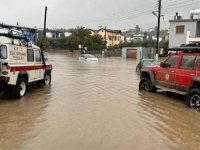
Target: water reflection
20 119
167 114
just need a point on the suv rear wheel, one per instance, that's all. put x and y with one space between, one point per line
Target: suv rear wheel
146 85
21 87
193 99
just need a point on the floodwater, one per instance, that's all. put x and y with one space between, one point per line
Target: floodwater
97 106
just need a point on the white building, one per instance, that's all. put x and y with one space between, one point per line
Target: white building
184 31
135 38
54 33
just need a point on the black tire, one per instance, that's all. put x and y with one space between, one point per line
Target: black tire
21 88
47 79
146 85
193 99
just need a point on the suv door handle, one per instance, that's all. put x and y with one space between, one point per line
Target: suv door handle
172 71
192 74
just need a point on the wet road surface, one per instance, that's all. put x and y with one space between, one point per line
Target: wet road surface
97 106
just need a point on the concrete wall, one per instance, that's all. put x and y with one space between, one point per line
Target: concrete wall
178 39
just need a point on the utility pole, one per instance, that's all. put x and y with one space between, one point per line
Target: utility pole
43 47
158 29
45 18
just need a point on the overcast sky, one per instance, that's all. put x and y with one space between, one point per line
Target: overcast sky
115 14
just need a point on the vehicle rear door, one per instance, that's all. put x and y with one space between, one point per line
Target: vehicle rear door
31 63
186 72
39 67
165 76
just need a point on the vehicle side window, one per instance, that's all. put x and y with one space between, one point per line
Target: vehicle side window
196 63
38 56
188 62
172 61
30 55
3 50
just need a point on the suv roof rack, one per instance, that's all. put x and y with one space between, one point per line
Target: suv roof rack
192 47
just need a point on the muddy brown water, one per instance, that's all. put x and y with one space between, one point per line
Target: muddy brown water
97 106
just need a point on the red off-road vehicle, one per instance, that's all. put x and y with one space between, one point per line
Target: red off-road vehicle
179 73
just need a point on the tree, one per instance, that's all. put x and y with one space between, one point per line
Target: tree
137 29
80 35
164 44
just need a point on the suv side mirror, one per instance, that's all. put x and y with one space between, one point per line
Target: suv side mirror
164 65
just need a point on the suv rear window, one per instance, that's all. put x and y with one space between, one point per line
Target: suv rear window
3 54
188 62
30 55
38 56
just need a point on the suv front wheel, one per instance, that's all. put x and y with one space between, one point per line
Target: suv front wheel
146 85
193 99
47 79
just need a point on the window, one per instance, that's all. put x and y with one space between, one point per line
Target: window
3 52
180 29
30 55
188 62
172 61
38 56
196 63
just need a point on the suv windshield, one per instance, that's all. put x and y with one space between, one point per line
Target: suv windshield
150 62
3 52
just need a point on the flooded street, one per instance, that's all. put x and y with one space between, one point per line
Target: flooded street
97 106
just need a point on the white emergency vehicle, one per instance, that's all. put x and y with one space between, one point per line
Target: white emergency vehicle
21 64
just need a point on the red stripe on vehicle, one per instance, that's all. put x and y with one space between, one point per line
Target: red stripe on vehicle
28 68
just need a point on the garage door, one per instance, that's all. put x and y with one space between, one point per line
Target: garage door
132 53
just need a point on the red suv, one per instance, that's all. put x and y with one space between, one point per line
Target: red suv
179 73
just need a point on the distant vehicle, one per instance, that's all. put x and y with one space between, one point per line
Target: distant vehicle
147 62
88 57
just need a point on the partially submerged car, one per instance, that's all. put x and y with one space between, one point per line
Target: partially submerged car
146 62
88 57
179 73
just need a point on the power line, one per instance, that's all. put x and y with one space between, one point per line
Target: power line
128 15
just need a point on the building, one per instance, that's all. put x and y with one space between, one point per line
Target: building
138 37
184 31
138 53
112 37
54 33
150 34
